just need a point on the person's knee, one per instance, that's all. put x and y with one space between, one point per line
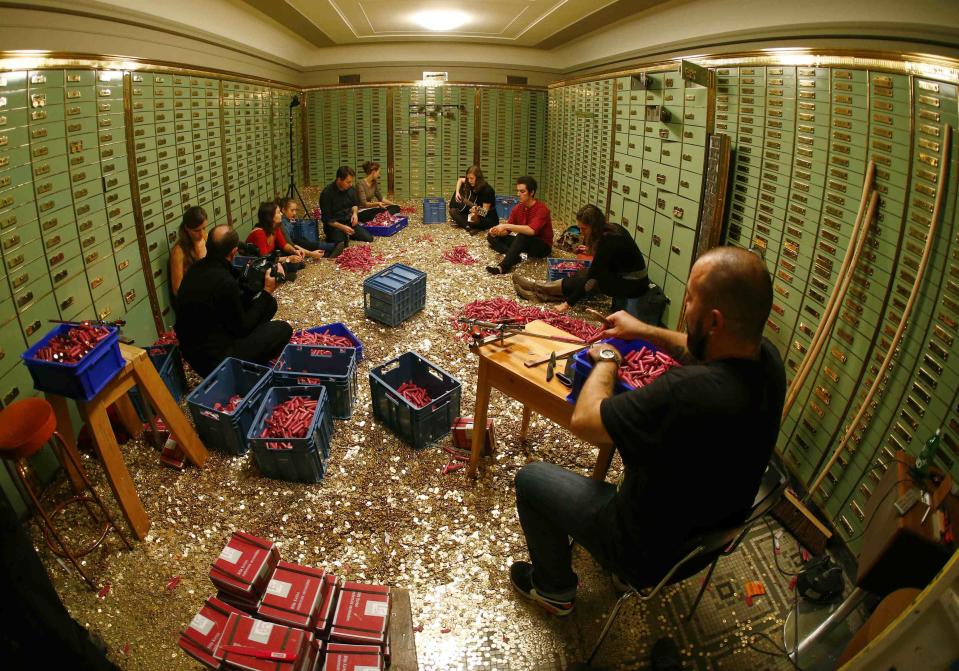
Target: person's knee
284 331
529 477
491 239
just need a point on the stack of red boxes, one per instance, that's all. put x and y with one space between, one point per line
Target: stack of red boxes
201 639
243 569
462 434
256 645
295 608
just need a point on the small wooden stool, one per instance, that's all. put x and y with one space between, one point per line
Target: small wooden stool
25 426
139 372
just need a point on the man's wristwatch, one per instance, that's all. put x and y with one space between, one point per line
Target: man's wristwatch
609 355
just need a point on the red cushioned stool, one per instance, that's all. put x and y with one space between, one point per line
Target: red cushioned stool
25 427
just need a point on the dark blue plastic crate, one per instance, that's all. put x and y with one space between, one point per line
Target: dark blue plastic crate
169 364
505 205
331 367
553 274
222 430
241 261
339 329
399 223
416 426
307 229
434 210
583 365
293 459
82 380
394 294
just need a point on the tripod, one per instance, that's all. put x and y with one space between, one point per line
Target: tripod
292 191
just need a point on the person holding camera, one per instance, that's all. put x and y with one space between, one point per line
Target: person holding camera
225 312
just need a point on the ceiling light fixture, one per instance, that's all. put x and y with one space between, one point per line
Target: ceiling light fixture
441 19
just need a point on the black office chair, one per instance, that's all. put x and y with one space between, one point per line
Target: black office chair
705 550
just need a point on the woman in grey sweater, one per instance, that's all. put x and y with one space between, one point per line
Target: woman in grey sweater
368 194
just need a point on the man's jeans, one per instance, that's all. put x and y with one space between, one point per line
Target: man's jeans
553 504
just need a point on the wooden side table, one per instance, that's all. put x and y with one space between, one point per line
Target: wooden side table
501 367
900 551
140 372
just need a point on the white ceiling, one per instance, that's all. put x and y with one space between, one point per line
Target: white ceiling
524 23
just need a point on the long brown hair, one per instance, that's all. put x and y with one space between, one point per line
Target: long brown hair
478 173
264 216
193 218
594 225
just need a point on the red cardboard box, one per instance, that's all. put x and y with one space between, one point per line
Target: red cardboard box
362 614
462 434
293 596
347 657
242 604
201 638
245 566
258 645
324 616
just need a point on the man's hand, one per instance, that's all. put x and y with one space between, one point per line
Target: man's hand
344 227
269 282
354 219
625 326
562 308
498 231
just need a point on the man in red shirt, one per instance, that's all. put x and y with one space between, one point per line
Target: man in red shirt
529 230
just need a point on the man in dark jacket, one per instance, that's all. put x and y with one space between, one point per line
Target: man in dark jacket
216 318
340 210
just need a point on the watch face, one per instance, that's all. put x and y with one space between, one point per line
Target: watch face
607 354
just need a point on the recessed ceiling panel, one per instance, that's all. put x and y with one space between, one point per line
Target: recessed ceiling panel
515 22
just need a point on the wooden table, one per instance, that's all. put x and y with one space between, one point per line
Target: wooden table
138 371
501 367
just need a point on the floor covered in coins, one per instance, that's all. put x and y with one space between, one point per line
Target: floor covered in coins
387 514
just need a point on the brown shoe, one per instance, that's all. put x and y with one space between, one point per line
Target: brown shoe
522 291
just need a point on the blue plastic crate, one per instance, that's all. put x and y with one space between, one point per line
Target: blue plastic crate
169 364
293 459
434 210
82 380
394 294
222 430
307 229
338 329
505 205
416 426
241 261
330 367
553 274
399 223
583 365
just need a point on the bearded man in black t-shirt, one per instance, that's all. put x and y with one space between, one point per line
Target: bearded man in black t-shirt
694 443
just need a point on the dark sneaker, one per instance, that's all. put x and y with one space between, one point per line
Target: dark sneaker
336 251
520 574
495 270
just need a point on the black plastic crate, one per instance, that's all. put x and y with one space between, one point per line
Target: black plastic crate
416 426
293 459
169 364
222 430
332 367
394 294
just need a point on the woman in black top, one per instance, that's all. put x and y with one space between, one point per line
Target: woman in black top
618 268
473 193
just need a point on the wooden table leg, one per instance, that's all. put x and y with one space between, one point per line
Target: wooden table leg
603 461
524 425
128 416
65 427
480 411
117 474
152 386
